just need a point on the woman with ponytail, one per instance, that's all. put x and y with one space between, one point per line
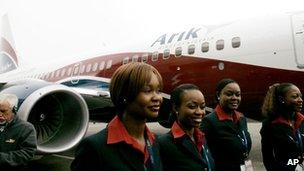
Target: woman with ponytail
282 131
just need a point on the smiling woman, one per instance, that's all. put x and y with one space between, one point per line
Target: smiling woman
126 143
282 131
226 129
184 147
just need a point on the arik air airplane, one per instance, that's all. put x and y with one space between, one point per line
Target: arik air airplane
60 99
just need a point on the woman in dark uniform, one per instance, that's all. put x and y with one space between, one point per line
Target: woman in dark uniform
282 132
184 148
126 143
226 129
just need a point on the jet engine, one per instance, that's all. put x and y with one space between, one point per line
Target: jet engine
59 114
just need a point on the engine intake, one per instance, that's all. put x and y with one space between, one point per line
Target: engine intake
59 114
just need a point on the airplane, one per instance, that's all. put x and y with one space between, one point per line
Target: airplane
59 100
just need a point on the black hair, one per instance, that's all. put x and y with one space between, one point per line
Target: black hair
175 98
178 91
221 85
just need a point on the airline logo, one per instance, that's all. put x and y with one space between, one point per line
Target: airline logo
11 141
176 37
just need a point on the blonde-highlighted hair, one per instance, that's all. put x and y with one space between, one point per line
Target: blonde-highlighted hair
272 101
128 80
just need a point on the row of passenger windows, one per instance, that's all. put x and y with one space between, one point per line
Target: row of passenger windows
205 46
75 70
219 45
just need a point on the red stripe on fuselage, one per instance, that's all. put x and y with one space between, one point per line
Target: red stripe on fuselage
205 73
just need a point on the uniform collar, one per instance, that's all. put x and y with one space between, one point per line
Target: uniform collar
222 115
178 132
299 118
118 133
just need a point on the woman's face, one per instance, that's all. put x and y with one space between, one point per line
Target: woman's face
147 102
192 109
293 99
230 97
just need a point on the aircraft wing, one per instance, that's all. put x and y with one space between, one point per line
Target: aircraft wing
92 92
95 91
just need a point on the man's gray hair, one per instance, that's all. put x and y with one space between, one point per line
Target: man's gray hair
10 98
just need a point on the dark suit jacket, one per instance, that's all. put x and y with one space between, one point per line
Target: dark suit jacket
279 144
181 154
224 142
94 154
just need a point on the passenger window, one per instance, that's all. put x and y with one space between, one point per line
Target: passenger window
76 70
57 73
82 68
144 58
220 44
95 67
135 58
191 49
62 72
178 51
155 56
125 60
236 42
101 65
89 67
53 74
205 47
69 71
109 64
166 54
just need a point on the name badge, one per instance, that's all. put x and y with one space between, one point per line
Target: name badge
247 166
299 167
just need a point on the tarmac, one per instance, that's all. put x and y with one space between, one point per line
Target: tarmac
62 161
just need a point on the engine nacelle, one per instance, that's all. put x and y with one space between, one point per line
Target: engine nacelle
59 114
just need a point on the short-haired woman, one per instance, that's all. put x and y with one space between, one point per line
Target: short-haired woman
126 144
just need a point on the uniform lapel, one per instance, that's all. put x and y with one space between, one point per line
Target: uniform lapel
132 158
190 147
235 127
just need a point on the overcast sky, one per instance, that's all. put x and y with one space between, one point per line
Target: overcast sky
55 29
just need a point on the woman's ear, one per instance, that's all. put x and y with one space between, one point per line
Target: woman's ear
281 100
175 109
217 96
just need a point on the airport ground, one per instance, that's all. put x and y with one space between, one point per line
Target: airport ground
61 162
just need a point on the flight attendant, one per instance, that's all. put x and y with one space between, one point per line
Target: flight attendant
282 132
126 143
184 148
226 129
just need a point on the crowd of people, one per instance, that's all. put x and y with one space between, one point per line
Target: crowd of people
218 141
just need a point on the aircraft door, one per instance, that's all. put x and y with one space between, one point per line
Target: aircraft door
75 73
298 38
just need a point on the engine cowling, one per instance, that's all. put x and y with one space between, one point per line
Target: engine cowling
59 114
